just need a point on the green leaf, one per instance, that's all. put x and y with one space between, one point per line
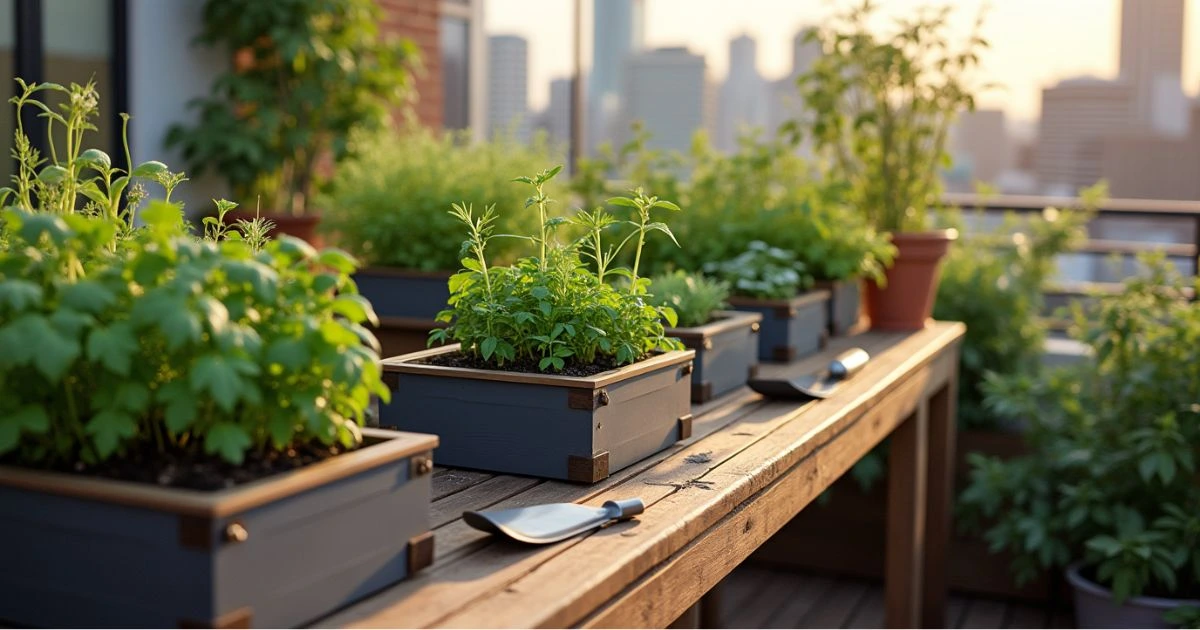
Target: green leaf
622 201
488 347
289 352
338 260
228 440
19 294
53 175
108 428
162 215
215 375
663 203
113 347
28 419
31 338
133 397
181 327
355 308
149 169
88 296
95 158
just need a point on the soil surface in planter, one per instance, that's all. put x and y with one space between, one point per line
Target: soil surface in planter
198 471
528 366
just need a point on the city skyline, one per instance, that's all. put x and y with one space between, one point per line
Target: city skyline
1031 49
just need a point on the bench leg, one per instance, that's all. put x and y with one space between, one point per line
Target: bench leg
939 503
905 548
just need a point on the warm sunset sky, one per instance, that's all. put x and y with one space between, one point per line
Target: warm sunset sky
1034 42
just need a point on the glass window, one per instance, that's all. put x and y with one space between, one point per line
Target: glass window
77 44
456 49
8 48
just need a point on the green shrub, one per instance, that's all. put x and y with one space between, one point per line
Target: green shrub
693 297
390 205
1111 478
764 272
550 309
173 345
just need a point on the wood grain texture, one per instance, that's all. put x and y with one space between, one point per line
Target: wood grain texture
939 503
905 549
748 468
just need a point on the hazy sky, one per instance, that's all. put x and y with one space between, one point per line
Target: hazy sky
1034 42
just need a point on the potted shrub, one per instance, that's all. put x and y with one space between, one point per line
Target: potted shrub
389 205
771 282
556 373
304 74
880 108
180 419
725 342
1109 490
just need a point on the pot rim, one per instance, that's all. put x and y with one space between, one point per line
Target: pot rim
1083 584
947 234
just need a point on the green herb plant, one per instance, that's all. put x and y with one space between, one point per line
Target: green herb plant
693 297
174 345
1111 476
880 108
389 203
306 73
551 310
763 272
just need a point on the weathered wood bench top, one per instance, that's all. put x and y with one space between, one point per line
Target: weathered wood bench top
749 467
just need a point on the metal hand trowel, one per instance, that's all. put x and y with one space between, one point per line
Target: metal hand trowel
820 385
542 524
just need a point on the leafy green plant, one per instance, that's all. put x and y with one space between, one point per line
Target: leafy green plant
305 74
763 272
1111 476
880 108
174 345
390 203
550 310
693 297
255 232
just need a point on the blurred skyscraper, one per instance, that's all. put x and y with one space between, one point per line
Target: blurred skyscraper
743 100
617 34
1152 63
783 97
667 89
980 146
556 119
508 86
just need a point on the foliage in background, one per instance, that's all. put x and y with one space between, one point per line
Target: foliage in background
174 345
551 309
761 192
764 272
694 297
305 73
880 108
390 204
1111 478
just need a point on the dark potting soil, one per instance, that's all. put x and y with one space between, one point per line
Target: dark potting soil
198 471
527 366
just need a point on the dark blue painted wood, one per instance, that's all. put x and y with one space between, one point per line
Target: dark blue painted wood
723 363
83 563
844 303
791 329
529 429
395 294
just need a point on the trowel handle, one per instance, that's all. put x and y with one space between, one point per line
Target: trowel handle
848 363
624 508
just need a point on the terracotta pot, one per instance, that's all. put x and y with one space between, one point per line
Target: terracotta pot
1095 608
907 301
301 226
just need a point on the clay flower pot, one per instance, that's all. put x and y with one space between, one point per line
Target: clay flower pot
907 301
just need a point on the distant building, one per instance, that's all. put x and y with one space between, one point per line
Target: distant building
508 86
667 89
783 96
743 95
617 34
1145 166
1076 115
556 119
1152 64
980 145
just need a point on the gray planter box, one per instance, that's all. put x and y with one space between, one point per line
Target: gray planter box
1095 607
726 352
282 551
845 304
407 302
791 329
545 425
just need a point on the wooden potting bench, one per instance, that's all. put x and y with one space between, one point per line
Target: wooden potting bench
749 467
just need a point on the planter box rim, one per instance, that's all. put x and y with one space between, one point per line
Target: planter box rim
725 320
406 364
1075 577
404 272
217 503
801 299
830 284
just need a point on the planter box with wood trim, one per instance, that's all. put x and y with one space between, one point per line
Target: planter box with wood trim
845 305
545 425
281 551
407 301
791 329
726 352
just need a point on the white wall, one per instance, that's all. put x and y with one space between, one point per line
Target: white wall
166 71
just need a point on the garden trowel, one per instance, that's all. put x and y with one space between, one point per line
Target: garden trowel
809 386
542 524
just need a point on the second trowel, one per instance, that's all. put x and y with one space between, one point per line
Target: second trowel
542 524
809 386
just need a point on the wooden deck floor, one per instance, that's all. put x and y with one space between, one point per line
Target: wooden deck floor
756 597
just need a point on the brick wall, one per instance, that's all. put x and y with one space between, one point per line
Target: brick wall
418 21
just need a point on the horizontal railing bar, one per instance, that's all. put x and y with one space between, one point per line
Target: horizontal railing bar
1032 203
1104 246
